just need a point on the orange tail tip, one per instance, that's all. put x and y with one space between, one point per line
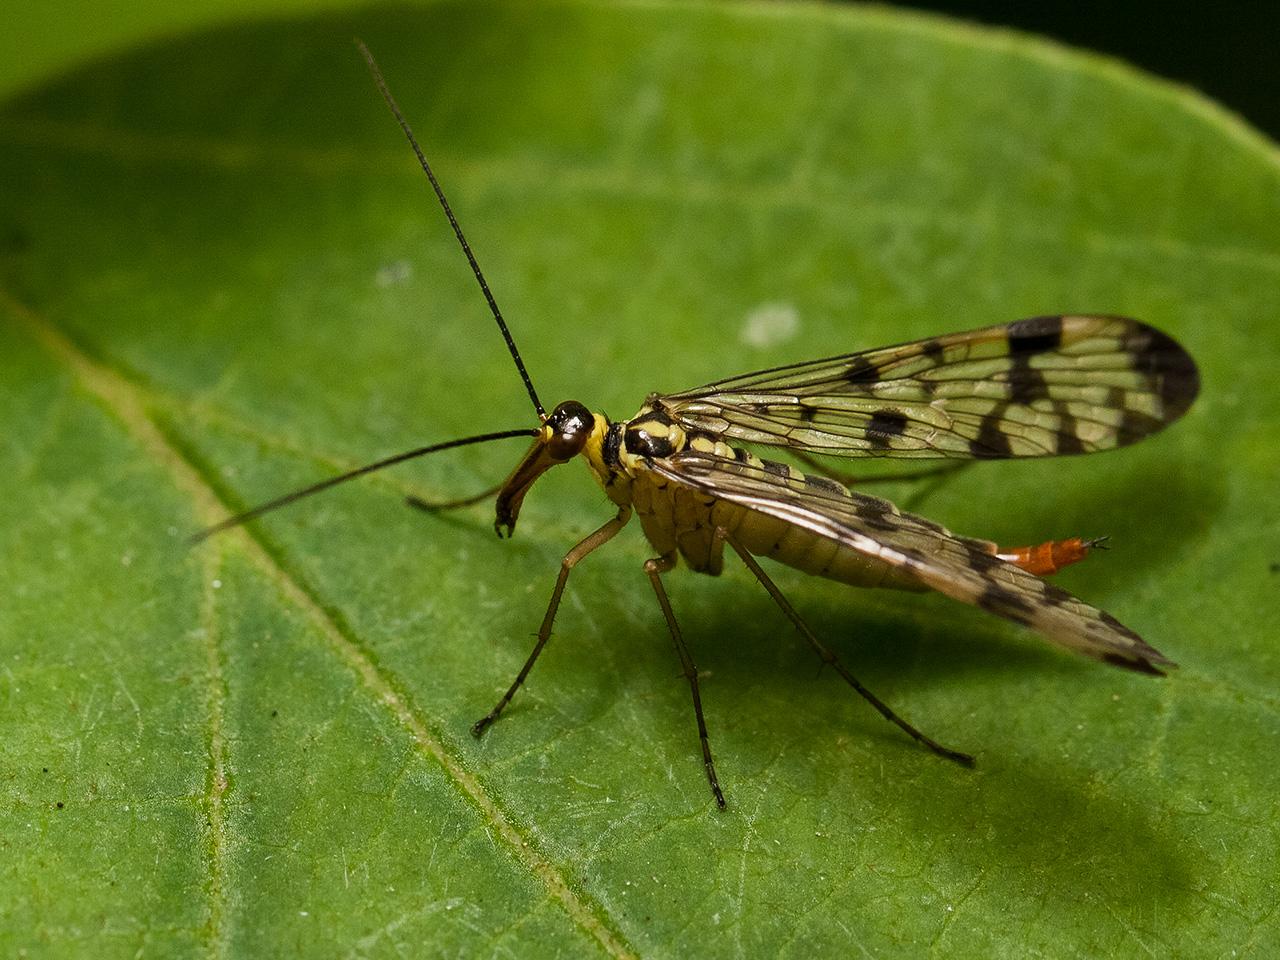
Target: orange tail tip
1046 559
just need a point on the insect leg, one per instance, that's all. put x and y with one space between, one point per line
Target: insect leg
434 506
724 536
571 559
654 569
851 480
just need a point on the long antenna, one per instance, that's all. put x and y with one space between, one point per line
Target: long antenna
296 495
453 222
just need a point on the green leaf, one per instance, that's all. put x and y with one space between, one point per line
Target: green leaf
222 276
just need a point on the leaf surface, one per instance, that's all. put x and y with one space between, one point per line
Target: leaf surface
222 275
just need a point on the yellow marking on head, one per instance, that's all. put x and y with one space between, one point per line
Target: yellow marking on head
594 450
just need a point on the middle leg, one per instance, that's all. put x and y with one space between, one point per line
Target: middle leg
438 506
654 569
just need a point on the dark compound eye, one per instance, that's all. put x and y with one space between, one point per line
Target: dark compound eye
571 424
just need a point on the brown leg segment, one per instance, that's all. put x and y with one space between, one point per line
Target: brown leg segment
724 536
571 559
654 569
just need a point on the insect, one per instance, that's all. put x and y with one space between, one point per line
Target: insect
1038 387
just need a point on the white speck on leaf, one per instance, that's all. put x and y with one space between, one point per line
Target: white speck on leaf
770 324
393 274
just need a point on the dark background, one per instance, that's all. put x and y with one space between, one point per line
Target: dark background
1230 51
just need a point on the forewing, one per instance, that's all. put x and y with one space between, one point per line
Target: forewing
963 569
1032 388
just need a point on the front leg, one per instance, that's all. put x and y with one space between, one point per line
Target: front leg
571 560
437 506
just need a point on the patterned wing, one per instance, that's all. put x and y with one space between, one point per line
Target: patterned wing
1037 387
963 569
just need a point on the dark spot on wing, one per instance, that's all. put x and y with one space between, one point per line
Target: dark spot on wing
741 455
1006 603
883 426
861 370
1034 335
1068 442
991 442
873 505
1162 358
874 513
1067 435
1135 426
1116 625
877 521
1026 339
1136 664
932 349
982 561
825 485
1067 438
1055 596
775 468
1025 383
